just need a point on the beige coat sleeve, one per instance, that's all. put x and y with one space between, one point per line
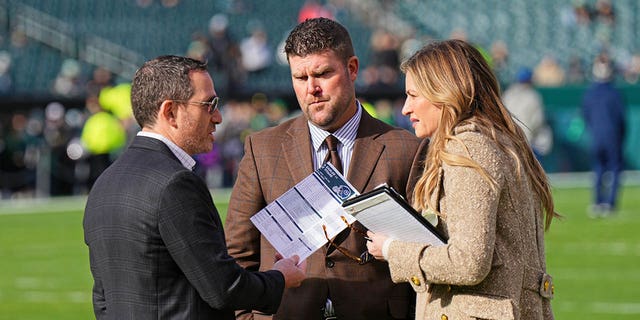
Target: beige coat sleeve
469 205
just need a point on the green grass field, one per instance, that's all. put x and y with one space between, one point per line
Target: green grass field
595 263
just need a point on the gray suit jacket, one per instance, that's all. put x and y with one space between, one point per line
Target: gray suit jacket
275 160
156 244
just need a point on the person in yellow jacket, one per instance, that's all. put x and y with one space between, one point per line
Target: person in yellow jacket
103 136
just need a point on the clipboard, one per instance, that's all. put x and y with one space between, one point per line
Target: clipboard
385 211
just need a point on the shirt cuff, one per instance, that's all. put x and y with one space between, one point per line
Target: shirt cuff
385 248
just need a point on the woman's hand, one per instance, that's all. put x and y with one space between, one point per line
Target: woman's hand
375 245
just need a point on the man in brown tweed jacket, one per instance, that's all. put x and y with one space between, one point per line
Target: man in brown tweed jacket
323 72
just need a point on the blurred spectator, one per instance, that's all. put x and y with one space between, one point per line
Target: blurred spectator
18 158
384 111
57 134
382 72
575 72
605 19
117 101
582 12
68 82
230 137
604 12
461 34
209 167
19 39
6 82
199 47
103 134
224 56
313 9
526 106
548 73
276 112
100 78
169 3
500 57
144 3
603 108
259 103
632 69
255 50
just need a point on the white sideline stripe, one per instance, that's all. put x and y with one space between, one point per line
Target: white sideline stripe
585 179
612 248
599 307
52 296
69 203
616 307
629 277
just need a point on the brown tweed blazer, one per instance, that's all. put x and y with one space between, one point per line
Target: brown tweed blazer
493 266
275 160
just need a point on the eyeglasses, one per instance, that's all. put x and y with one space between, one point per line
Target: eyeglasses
212 105
364 257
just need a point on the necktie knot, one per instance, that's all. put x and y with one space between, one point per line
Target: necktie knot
333 156
332 142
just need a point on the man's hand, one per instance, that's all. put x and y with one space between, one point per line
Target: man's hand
293 273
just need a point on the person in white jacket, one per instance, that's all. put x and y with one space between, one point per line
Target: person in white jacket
526 105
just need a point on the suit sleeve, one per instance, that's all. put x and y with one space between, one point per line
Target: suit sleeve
99 301
192 231
470 206
243 238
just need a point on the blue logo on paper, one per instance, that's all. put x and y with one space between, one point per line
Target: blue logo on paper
342 191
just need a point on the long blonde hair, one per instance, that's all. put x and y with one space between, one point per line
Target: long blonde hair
454 75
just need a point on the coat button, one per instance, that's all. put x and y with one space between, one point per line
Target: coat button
329 263
415 280
444 317
546 285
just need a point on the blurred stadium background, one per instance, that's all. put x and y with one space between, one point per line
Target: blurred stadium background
66 64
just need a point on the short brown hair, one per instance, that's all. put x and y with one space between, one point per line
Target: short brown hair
160 79
319 35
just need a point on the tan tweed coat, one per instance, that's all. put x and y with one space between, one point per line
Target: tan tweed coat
493 266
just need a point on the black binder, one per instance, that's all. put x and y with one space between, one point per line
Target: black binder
385 211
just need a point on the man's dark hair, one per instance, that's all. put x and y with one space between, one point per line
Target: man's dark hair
160 79
319 35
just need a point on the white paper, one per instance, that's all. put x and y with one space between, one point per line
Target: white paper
293 222
382 214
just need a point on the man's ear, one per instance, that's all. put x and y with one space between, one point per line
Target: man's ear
168 113
352 65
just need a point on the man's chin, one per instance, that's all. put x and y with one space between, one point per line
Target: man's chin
322 122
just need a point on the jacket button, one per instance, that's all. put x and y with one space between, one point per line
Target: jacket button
546 285
444 317
329 263
415 280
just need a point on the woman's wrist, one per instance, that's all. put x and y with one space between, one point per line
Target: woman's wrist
385 248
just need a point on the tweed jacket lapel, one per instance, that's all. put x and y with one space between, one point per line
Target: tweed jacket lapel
366 152
297 150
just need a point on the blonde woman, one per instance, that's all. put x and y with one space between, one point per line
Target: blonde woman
485 187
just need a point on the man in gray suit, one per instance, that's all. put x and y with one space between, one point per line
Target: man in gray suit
156 243
323 71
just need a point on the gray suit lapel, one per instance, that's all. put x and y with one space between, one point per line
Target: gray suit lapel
152 144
